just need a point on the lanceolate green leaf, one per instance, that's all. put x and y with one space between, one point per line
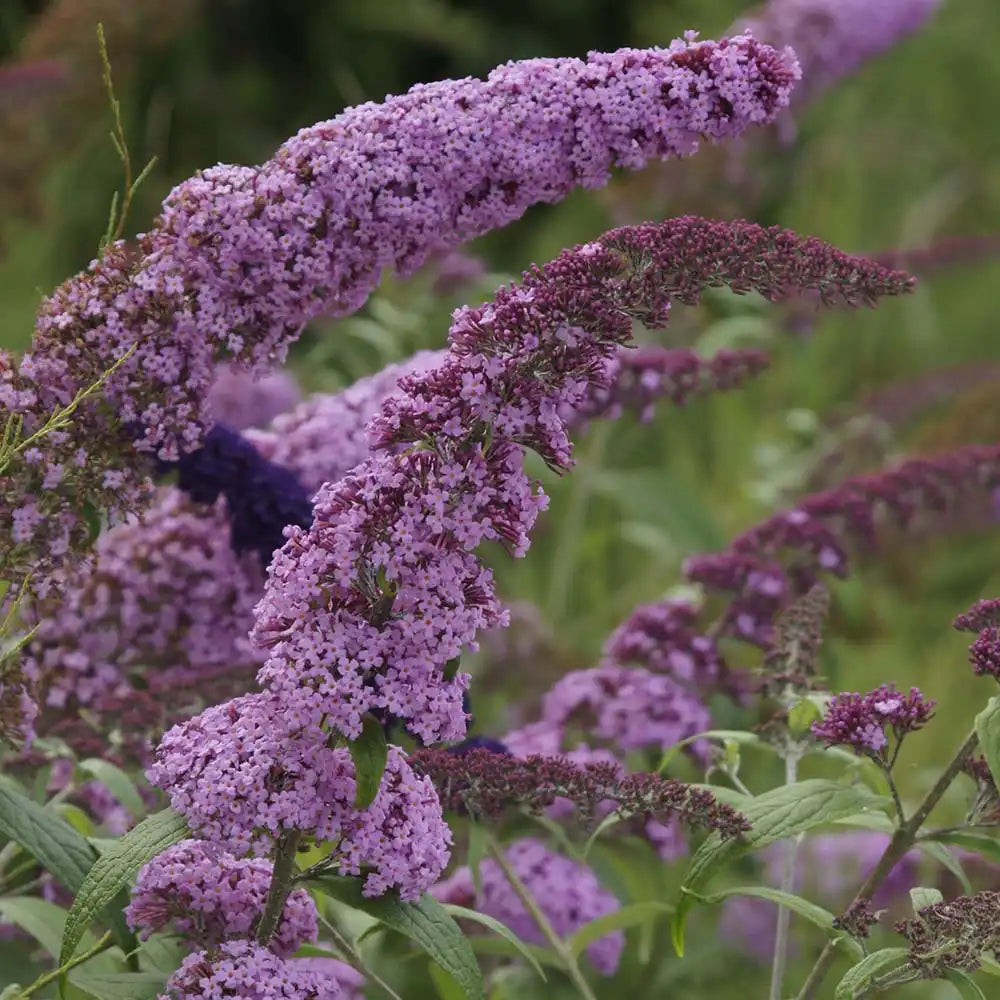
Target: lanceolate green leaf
985 844
643 912
967 987
369 753
860 976
115 869
116 781
461 913
803 907
55 844
427 923
41 919
779 813
988 730
119 985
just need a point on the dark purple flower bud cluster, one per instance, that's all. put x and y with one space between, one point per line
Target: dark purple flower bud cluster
242 970
640 378
954 934
262 498
984 653
483 783
788 551
859 721
242 258
18 703
567 892
207 896
833 38
793 656
982 614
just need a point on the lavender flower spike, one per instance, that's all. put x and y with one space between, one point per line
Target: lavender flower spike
242 258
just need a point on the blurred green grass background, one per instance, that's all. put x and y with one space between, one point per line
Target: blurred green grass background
905 151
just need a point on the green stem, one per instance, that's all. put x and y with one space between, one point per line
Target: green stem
787 885
51 977
281 884
902 840
564 563
352 956
559 946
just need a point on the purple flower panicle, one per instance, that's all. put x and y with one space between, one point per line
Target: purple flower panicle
567 892
242 257
859 721
245 772
242 970
207 896
364 610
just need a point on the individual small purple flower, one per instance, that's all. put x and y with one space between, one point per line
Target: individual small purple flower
242 400
859 721
207 896
245 772
242 970
567 892
262 497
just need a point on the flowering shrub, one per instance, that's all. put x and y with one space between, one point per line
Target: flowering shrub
247 626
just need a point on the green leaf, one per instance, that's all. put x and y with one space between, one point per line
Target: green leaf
500 946
120 985
738 736
427 923
116 781
965 985
946 859
642 912
984 844
779 813
451 667
58 848
802 715
114 869
857 978
38 917
444 983
817 915
474 855
369 753
988 730
498 928
921 896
